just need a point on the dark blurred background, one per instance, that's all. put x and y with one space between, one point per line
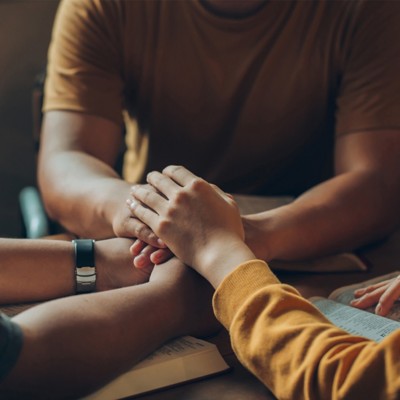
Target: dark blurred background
25 30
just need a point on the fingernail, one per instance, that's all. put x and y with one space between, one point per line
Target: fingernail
134 187
354 301
139 261
160 242
378 309
132 205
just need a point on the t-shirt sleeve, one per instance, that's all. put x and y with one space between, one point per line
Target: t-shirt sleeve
293 349
10 345
369 91
84 71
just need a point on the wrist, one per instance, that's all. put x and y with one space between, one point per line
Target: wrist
112 201
85 267
258 236
220 260
104 280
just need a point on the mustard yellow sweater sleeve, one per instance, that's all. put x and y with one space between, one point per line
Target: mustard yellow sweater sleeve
293 349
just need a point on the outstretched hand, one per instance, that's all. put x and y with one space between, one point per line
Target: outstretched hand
383 294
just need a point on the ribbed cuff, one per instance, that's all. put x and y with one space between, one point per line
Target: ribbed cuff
240 284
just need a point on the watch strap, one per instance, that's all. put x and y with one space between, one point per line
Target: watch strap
85 271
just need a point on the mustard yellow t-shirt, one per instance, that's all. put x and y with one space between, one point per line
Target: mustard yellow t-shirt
294 350
252 104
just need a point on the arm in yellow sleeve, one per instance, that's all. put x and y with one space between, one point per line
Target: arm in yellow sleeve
293 349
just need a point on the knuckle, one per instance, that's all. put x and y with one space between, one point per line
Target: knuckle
180 197
141 230
172 211
164 226
197 184
145 195
366 298
151 176
384 300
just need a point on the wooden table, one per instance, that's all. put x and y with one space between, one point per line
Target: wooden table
239 384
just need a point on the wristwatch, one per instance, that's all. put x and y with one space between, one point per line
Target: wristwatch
85 270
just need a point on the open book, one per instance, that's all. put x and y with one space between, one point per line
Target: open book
355 321
181 360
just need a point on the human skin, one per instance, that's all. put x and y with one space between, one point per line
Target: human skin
278 335
358 205
40 269
383 295
212 239
74 345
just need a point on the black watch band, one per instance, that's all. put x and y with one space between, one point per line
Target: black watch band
85 271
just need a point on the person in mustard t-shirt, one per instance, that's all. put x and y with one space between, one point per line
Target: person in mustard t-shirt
295 98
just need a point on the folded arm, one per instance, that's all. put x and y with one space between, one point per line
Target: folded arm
357 206
73 346
37 270
79 185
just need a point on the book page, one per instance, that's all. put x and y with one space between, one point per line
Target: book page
182 360
355 321
345 294
181 347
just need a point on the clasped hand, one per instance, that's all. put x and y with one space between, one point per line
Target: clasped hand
191 216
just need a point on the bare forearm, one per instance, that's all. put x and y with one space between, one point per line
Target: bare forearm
72 346
33 270
343 213
38 270
80 188
86 197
